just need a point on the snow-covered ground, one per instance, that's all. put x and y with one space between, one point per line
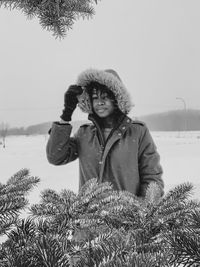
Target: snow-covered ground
179 151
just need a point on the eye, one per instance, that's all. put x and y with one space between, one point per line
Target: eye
104 96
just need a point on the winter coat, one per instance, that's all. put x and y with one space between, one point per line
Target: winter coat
128 159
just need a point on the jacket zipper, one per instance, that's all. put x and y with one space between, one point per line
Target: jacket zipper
102 140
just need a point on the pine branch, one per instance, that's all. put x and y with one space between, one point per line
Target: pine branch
53 204
57 16
181 192
103 227
29 247
153 193
12 197
185 241
19 184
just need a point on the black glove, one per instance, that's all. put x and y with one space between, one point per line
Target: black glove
70 101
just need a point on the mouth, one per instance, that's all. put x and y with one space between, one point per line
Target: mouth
101 110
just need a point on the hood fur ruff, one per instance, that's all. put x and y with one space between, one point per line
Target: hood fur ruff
108 78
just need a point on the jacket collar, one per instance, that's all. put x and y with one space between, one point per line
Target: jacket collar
94 118
121 126
126 122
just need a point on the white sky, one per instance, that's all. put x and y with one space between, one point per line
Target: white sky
154 45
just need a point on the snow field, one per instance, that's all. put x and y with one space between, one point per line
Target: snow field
179 151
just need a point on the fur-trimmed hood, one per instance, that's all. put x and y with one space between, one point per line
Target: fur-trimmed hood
109 78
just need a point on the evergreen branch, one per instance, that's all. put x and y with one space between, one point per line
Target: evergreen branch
50 196
93 185
6 223
153 194
13 204
12 198
50 252
67 196
42 210
19 184
18 176
180 192
57 16
185 243
25 230
103 227
195 219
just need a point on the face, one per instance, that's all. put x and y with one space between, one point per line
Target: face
103 105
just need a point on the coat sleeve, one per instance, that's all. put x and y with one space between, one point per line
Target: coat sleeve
61 148
149 163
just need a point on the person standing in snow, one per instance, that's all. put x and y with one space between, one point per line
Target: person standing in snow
113 147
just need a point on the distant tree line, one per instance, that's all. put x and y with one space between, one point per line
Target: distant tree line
30 130
42 128
178 120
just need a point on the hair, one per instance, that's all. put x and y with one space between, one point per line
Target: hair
102 88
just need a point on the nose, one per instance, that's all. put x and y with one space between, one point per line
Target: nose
101 102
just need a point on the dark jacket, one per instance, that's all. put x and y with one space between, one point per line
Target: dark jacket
128 159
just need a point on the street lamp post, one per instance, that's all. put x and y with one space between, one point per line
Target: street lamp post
185 111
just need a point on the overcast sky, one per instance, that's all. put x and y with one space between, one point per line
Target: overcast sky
154 45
